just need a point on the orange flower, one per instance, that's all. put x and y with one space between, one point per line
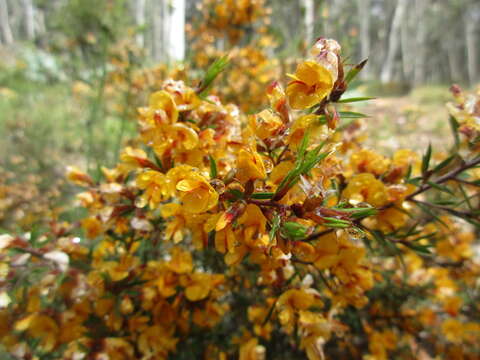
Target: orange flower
155 185
42 327
265 124
196 193
250 166
164 107
251 350
364 187
311 83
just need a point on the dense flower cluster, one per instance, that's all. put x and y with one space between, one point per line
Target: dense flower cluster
239 29
258 236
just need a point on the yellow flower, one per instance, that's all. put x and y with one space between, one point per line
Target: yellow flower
292 301
116 348
78 177
317 131
199 285
92 226
364 187
315 331
224 236
304 251
41 327
155 185
133 159
177 224
311 83
174 137
119 270
278 99
367 161
164 107
251 350
250 166
265 124
253 224
181 261
155 342
453 330
185 98
327 252
196 194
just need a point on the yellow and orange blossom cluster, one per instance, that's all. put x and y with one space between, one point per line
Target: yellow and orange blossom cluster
229 236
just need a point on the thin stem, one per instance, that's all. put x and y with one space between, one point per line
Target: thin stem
452 175
317 235
448 176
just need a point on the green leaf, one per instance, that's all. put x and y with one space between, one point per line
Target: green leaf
303 146
236 193
409 173
356 99
440 187
336 225
353 72
365 212
262 195
466 198
445 202
352 115
426 159
454 127
415 181
429 211
444 163
336 221
382 241
293 230
213 71
421 249
213 167
304 163
275 226
427 236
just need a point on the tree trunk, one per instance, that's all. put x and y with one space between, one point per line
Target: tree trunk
29 19
471 39
364 17
174 30
309 21
5 29
454 53
139 10
420 69
408 46
157 36
393 42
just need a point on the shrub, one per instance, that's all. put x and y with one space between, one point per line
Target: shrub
274 235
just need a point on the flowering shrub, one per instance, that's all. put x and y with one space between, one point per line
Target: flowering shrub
268 236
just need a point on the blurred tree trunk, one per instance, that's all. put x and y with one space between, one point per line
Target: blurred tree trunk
309 21
139 11
157 30
471 19
7 36
174 30
364 15
408 46
420 68
393 42
453 51
29 19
